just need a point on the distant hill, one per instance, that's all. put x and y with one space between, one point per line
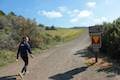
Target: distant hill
79 27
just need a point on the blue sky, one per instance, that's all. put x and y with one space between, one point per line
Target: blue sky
64 13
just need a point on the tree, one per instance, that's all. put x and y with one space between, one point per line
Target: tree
41 25
2 13
47 28
12 14
53 27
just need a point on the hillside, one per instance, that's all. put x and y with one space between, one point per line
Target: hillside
13 28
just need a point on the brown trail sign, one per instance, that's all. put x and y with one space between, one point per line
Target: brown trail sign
95 34
96 40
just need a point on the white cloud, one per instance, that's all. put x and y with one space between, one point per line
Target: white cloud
62 8
73 13
74 20
80 14
84 13
100 20
77 15
91 4
51 14
76 10
104 19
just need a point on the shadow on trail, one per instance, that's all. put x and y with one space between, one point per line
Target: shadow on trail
69 74
12 77
85 53
113 68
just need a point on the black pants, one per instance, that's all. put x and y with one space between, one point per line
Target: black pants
25 59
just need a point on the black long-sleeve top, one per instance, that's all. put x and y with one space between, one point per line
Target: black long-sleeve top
24 49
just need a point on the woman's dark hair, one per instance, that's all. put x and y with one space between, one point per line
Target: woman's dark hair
23 38
29 40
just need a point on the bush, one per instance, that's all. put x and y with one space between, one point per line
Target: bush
57 38
13 28
6 57
111 39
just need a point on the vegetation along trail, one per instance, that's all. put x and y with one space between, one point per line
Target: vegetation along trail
59 63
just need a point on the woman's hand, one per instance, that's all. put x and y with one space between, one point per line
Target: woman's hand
16 60
31 56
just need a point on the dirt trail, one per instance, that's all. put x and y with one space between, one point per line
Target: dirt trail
59 63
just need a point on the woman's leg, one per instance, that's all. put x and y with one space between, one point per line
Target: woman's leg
25 59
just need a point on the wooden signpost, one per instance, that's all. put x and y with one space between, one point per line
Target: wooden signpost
95 35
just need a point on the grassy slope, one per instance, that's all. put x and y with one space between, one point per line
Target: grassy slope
66 34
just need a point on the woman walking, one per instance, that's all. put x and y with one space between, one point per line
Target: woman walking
23 50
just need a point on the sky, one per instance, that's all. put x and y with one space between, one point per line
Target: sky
64 13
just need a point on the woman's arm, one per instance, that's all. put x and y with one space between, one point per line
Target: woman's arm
29 50
18 52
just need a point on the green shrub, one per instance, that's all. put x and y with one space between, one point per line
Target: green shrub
6 57
111 39
57 38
